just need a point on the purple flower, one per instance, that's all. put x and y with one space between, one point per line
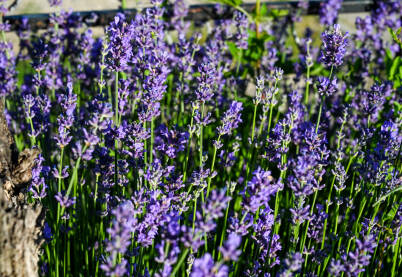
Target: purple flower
268 242
336 267
241 227
364 27
170 142
229 250
327 87
308 166
259 190
55 3
64 201
7 70
90 138
3 11
60 175
300 213
136 135
329 11
65 121
180 10
123 225
111 268
317 224
360 258
292 265
334 46
231 119
121 229
156 172
372 101
205 267
47 232
216 204
119 49
241 22
269 60
356 261
166 259
38 186
40 52
37 110
206 82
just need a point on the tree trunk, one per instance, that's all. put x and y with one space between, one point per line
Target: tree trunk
20 223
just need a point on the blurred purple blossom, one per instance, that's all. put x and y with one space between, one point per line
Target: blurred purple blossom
230 250
329 11
205 267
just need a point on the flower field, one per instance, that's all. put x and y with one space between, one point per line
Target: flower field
243 149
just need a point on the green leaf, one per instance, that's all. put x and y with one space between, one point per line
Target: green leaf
237 2
395 35
316 70
400 72
397 107
395 67
233 3
391 214
233 49
278 13
385 196
237 205
263 10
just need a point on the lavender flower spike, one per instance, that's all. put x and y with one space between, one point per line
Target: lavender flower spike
55 3
329 11
334 46
229 250
231 118
205 267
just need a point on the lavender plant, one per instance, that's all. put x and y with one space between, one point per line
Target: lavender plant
242 151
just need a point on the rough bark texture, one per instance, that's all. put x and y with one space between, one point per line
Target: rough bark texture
20 223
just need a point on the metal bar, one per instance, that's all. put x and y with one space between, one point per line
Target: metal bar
13 5
197 13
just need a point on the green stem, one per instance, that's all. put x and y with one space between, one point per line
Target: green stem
32 138
59 181
3 37
306 93
123 4
266 113
270 115
116 143
152 140
116 99
307 225
395 248
74 177
238 66
323 100
213 164
319 113
178 265
188 147
250 153
224 228
201 133
102 67
194 213
253 126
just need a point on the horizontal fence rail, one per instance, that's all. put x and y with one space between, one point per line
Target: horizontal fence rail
196 13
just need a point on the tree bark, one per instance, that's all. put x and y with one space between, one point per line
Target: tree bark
20 223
